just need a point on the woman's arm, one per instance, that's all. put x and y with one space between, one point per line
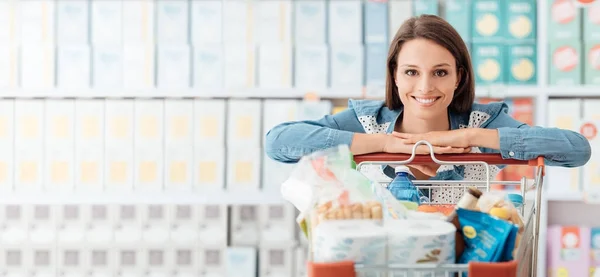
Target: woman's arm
288 142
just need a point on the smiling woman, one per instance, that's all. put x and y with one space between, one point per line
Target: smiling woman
429 96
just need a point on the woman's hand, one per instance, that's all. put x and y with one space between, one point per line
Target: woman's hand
397 144
454 138
460 138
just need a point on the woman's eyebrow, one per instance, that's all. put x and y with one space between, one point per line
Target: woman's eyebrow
437 65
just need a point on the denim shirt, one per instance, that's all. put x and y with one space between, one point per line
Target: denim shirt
288 142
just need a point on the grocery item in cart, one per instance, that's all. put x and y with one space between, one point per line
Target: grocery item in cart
403 189
362 241
487 237
420 242
325 186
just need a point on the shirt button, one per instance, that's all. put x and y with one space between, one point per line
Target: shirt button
511 153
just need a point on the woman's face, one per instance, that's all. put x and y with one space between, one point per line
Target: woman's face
426 78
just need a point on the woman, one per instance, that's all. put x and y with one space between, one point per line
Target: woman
429 96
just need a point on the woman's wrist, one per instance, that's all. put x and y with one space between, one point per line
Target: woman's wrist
368 143
480 137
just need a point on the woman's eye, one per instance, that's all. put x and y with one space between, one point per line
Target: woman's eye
411 72
441 73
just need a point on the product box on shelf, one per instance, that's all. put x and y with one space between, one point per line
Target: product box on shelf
345 22
101 260
71 224
172 21
16 231
174 66
300 259
41 260
119 139
376 22
239 66
522 64
208 64
213 225
74 64
138 21
590 109
107 22
98 220
138 66
8 14
564 20
37 66
347 66
89 144
243 168
375 60
179 126
154 260
564 114
29 144
70 260
42 220
521 20
275 65
185 223
7 144
568 251
591 22
107 63
489 63
314 110
310 22
595 250
489 17
127 225
273 21
276 260
241 261
566 63
60 145
244 223
458 14
243 122
148 144
591 170
399 11
311 66
183 260
155 224
426 7
209 167
36 21
592 62
277 224
207 22
209 122
9 66
238 23
213 261
128 261
72 22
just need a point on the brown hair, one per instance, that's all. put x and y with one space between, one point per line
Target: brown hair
436 29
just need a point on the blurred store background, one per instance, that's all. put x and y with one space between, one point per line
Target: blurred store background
132 131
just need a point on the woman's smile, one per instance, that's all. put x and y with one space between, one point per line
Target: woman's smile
426 101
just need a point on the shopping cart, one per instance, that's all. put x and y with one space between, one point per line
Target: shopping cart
525 262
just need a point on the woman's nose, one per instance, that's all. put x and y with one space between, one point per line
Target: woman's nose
425 84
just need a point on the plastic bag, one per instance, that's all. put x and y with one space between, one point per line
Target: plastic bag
326 186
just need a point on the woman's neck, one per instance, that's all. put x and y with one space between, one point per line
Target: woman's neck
414 125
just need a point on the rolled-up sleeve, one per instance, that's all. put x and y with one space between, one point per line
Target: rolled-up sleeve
559 147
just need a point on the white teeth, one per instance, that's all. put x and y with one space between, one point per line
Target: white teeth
425 101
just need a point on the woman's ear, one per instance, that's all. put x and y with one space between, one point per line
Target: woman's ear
459 75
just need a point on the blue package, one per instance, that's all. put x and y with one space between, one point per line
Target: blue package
487 238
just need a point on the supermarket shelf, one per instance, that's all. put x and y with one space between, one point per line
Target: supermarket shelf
564 196
216 198
581 91
499 91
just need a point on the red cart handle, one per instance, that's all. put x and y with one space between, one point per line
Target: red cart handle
493 159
